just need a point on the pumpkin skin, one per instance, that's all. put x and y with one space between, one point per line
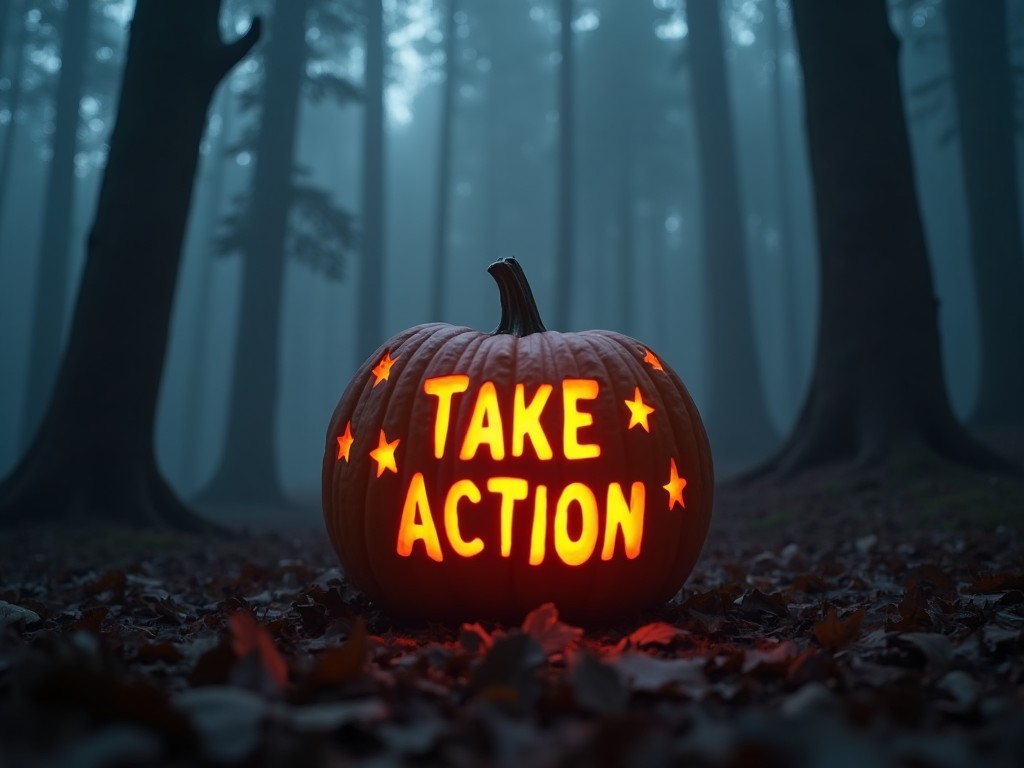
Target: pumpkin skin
371 503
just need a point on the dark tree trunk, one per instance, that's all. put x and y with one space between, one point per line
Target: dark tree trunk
247 473
49 310
791 337
93 455
625 261
212 178
564 256
877 391
13 105
737 418
984 96
369 333
444 164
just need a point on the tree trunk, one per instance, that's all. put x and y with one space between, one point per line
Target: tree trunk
93 456
563 293
371 283
737 418
444 165
877 390
215 172
247 473
984 96
787 257
49 310
11 132
625 257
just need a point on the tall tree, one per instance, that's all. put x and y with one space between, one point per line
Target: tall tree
983 88
49 310
13 102
444 162
280 215
877 389
566 170
737 416
369 329
93 455
788 282
247 471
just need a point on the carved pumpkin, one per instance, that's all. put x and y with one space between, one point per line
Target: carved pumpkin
471 475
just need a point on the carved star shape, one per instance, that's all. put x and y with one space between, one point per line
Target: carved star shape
384 454
382 370
345 442
675 486
652 360
638 411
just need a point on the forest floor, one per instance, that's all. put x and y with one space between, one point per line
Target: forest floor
839 622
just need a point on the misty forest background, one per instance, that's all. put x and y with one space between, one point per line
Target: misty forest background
595 140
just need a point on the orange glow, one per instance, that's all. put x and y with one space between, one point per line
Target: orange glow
575 533
638 411
652 360
345 442
675 486
576 551
443 388
538 534
417 523
384 454
526 422
574 390
512 489
461 489
382 370
485 425
629 520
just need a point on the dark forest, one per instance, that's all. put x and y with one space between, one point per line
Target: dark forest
275 489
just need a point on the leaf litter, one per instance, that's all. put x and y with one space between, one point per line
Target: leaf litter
797 647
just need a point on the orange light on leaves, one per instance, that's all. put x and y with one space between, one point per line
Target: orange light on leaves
675 486
382 370
384 454
345 442
638 411
652 360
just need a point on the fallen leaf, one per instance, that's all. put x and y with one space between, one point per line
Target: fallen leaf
552 635
597 687
14 615
648 673
329 716
250 638
755 603
475 638
961 689
834 633
344 663
1002 581
656 633
228 719
937 649
506 673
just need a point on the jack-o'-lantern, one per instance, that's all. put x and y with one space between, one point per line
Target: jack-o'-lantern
477 475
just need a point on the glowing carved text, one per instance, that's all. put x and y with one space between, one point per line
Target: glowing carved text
575 527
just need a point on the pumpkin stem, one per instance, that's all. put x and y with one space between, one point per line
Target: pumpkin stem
519 313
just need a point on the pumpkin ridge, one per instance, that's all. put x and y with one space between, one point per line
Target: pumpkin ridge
435 337
668 390
693 433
